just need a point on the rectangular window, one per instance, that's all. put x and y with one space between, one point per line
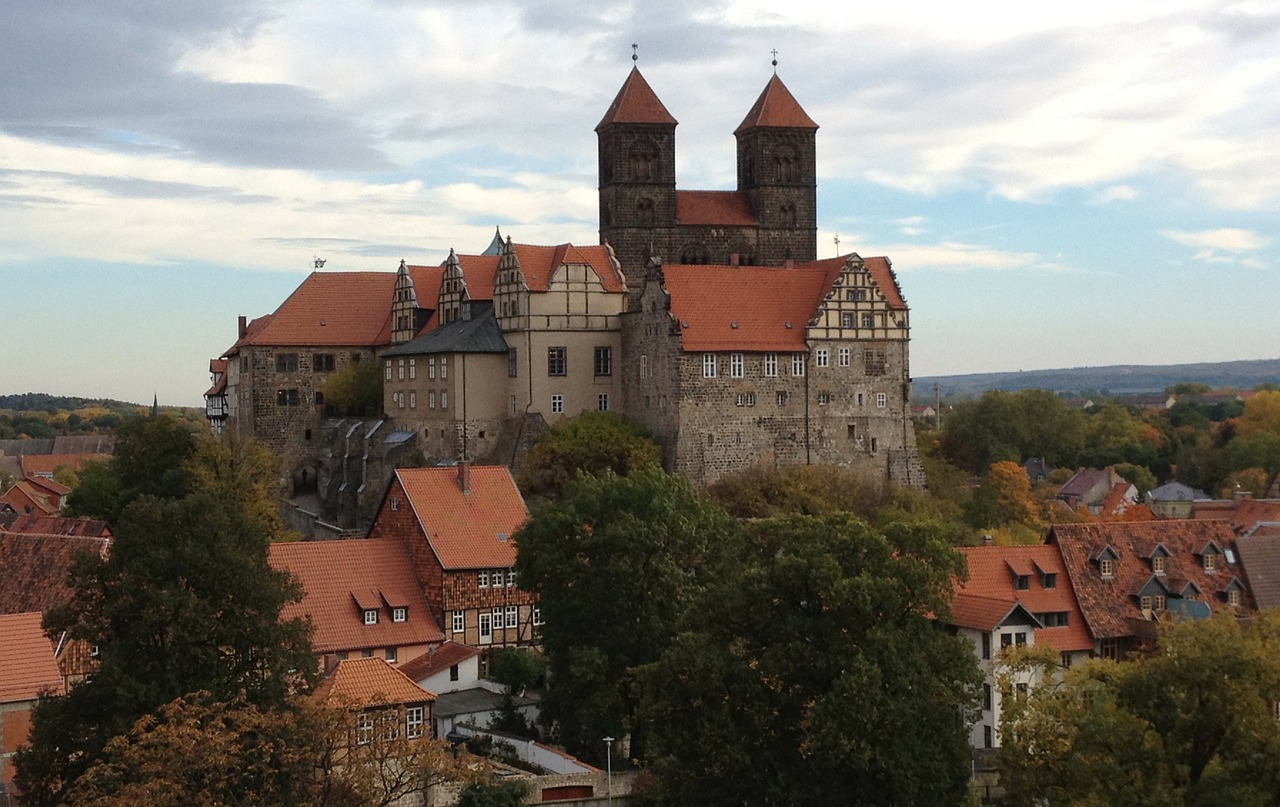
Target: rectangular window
644 365
846 320
751 399
735 365
557 361
860 398
824 398
1020 639
511 578
986 646
400 370
459 621
322 362
513 363
797 364
602 402
482 579
399 397
371 616
821 356
453 672
873 362
986 697
771 365
413 722
603 360
537 615
740 399
286 397
1160 603
431 368
1049 580
413 368
444 399
1157 564
1144 602
708 365
557 404
513 617
511 404
364 728
444 366
387 375
390 655
399 614
882 400
431 399
843 355
497 618
413 399
1107 567
1210 561
782 397
286 362
868 321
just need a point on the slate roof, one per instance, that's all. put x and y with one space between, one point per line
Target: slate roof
470 530
369 682
777 108
991 576
444 657
726 208
470 701
1176 492
1260 557
27 665
33 569
480 334
340 578
1108 605
636 102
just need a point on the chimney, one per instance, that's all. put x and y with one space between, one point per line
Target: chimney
1240 494
986 539
464 476
734 259
244 326
789 263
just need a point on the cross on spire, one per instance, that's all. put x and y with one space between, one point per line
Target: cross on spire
775 61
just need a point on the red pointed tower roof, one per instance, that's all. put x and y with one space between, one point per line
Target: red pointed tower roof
777 108
636 102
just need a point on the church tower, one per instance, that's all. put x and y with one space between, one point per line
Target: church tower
637 146
777 169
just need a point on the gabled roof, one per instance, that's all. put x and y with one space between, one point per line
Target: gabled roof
480 334
776 108
53 525
987 613
538 264
337 574
466 530
747 308
27 664
369 682
1260 557
726 208
1176 492
478 272
34 569
1105 603
430 663
48 487
1252 511
989 577
331 308
636 102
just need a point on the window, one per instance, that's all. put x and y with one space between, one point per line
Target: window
364 728
771 365
459 621
286 397
987 739
557 404
399 398
604 360
986 646
986 697
1157 564
319 399
400 370
1023 582
371 616
846 320
1049 580
482 579
513 363
602 402
1107 567
413 368
390 655
708 365
537 615
882 400
868 321
797 364
513 616
735 365
497 617
782 397
322 362
413 722
286 362
431 399
511 578
557 361
740 399
453 672
875 446
511 404
751 399
431 368
387 376
1159 602
444 399
860 294
1210 561
1021 691
399 614
1144 602
824 398
444 366
413 399
843 355
1006 639
1020 639
873 362
644 365
821 356
1233 597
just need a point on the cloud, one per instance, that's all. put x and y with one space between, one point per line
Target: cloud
1225 238
956 256
911 225
1115 193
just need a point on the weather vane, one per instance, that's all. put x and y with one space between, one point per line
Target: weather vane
319 262
775 61
635 56
837 243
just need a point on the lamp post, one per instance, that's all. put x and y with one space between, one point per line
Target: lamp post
608 750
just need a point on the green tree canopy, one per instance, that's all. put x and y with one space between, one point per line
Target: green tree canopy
150 458
591 443
356 389
812 673
759 491
1013 426
615 563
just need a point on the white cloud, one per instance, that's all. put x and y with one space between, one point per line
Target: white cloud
956 256
911 225
1225 238
1115 193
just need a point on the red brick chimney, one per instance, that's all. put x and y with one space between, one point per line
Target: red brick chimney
734 259
464 476
244 326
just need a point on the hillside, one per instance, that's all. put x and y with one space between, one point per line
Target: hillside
1116 379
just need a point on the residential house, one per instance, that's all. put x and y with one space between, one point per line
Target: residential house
43 465
387 702
458 522
1259 551
1127 576
39 495
30 523
1102 492
216 405
28 669
362 598
1174 500
35 568
449 667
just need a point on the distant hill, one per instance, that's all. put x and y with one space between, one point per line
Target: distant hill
1121 379
39 401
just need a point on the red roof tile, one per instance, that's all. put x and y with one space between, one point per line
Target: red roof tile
777 108
1260 557
636 102
882 273
27 665
980 613
430 663
33 569
725 208
990 577
1251 511
331 308
340 578
53 525
466 530
539 264
41 464
478 274
369 682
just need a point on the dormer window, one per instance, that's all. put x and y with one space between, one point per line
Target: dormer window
1210 561
399 614
1023 582
1233 597
371 616
1158 564
1107 568
1049 580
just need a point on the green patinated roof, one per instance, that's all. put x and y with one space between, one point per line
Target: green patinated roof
480 334
496 245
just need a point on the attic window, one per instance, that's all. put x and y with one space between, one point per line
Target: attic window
1210 561
371 616
397 614
1049 580
1158 564
395 503
1023 582
1107 568
1233 597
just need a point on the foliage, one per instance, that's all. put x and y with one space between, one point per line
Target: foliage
516 668
1003 499
241 470
1259 450
1252 480
184 602
785 681
615 563
1137 475
591 443
356 389
1013 426
1191 726
760 490
497 793
1261 414
149 459
1187 388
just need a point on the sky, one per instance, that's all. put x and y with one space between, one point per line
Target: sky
1056 184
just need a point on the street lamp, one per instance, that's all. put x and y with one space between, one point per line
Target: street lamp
608 750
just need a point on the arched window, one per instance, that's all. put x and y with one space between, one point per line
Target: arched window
644 163
693 253
788 212
788 168
644 212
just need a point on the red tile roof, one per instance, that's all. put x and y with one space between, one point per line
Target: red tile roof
469 530
369 682
479 273
218 368
1251 511
882 273
1107 604
747 308
980 613
340 578
38 464
725 208
1260 557
991 577
636 102
33 569
538 264
331 308
26 495
776 107
27 665
444 657
53 525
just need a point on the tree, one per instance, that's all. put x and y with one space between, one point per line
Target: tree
615 564
1004 498
760 490
591 443
184 602
1193 725
1261 414
150 458
1137 475
1253 480
1013 426
1258 450
500 793
357 389
812 672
